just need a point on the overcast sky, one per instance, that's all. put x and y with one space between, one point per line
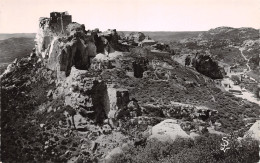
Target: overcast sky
18 16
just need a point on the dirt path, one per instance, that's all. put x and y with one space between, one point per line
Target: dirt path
245 94
247 60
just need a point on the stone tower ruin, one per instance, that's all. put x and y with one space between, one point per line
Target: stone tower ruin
59 21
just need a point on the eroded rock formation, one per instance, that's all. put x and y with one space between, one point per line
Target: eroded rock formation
108 41
205 65
75 97
95 99
64 44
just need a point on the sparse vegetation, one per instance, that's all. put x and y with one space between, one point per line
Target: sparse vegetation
203 149
52 118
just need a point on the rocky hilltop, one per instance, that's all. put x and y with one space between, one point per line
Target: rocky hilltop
236 51
91 96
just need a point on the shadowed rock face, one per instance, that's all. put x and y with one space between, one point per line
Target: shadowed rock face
118 100
66 44
103 45
110 103
100 101
95 99
108 42
139 66
59 21
77 54
74 53
69 47
205 65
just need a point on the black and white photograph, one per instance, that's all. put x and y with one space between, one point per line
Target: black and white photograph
130 81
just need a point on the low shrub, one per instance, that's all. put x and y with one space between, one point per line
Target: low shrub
203 149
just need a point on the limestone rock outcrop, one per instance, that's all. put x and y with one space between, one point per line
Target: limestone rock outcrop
168 130
64 44
76 53
254 131
118 105
99 101
75 98
205 65
50 28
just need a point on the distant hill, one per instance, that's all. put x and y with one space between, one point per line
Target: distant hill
4 36
167 37
14 48
235 36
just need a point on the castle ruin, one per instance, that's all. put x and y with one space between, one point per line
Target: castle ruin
59 21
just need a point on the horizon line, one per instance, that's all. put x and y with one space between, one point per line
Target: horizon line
148 30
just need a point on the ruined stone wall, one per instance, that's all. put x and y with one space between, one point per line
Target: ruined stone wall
59 22
139 66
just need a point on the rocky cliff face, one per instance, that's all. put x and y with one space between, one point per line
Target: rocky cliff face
77 98
64 44
64 48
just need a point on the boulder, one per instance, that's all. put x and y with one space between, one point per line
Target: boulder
254 131
205 65
114 153
168 130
